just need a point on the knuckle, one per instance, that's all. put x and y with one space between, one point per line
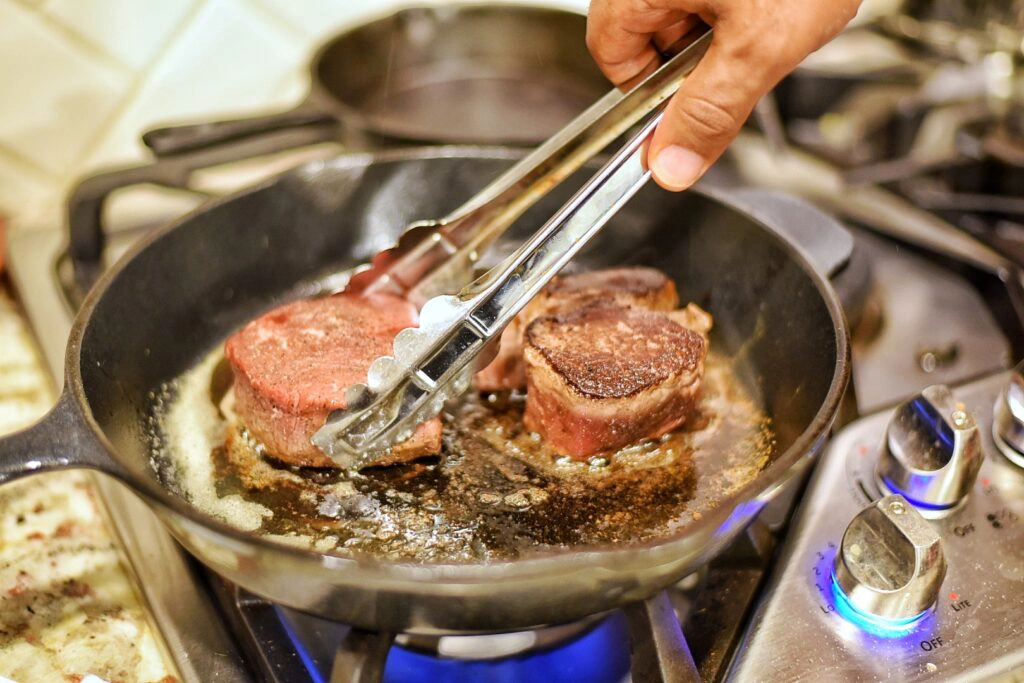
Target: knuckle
757 49
598 24
744 45
707 118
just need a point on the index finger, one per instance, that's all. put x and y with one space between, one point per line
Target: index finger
620 44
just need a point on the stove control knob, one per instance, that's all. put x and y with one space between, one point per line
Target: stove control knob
889 567
1008 426
932 452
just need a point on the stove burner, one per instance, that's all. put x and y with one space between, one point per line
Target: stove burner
600 654
945 131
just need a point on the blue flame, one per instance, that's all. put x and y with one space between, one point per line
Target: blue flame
300 649
740 517
601 655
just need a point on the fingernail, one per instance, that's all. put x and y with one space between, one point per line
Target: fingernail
677 167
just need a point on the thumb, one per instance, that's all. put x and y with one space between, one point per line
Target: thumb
705 115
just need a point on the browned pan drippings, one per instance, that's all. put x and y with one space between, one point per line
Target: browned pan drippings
496 492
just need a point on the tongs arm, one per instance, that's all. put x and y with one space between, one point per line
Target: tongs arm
434 257
503 291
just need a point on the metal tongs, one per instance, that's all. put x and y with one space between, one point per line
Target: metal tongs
435 361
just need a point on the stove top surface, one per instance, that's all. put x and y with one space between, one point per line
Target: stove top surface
923 145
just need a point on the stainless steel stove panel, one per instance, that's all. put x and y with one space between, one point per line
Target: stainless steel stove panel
933 328
975 631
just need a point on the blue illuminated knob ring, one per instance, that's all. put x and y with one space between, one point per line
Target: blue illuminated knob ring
889 567
932 452
869 622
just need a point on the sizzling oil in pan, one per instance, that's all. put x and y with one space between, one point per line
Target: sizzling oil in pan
495 492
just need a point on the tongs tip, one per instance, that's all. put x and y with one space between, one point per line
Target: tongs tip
400 391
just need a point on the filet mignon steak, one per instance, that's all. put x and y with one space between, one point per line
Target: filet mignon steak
604 376
633 286
293 364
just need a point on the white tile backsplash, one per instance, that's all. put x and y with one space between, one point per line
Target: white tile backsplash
81 79
55 95
320 19
228 62
23 189
129 30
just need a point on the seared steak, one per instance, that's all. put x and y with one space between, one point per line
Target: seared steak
506 371
293 365
634 286
604 376
693 317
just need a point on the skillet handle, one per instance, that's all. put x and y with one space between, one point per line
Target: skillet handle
60 440
172 140
822 237
86 234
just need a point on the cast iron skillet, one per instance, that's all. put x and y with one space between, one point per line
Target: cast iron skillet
468 74
187 287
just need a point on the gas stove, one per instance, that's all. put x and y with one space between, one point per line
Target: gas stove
919 149
869 602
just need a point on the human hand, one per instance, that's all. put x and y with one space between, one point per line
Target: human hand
755 44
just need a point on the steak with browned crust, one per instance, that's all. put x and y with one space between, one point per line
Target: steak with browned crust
293 364
633 286
604 376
